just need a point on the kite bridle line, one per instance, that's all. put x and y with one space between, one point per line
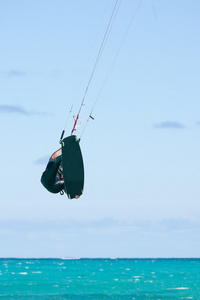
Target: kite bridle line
63 132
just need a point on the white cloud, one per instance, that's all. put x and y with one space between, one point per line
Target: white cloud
169 124
17 109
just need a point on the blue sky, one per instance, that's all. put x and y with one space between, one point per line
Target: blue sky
141 153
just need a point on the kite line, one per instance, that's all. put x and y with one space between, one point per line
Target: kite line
104 41
109 71
101 49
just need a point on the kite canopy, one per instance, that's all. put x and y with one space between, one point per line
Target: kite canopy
73 169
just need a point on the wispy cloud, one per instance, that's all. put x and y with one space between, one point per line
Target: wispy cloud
13 73
9 109
117 238
165 225
16 73
170 125
17 109
42 160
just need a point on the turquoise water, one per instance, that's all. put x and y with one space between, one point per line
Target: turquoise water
100 279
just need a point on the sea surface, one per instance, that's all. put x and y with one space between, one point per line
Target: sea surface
100 279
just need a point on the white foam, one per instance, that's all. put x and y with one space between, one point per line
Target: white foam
101 270
36 272
23 273
56 285
116 279
70 258
179 288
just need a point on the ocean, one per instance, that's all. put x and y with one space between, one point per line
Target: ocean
99 279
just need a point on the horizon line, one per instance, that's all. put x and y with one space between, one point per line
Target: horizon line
98 258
